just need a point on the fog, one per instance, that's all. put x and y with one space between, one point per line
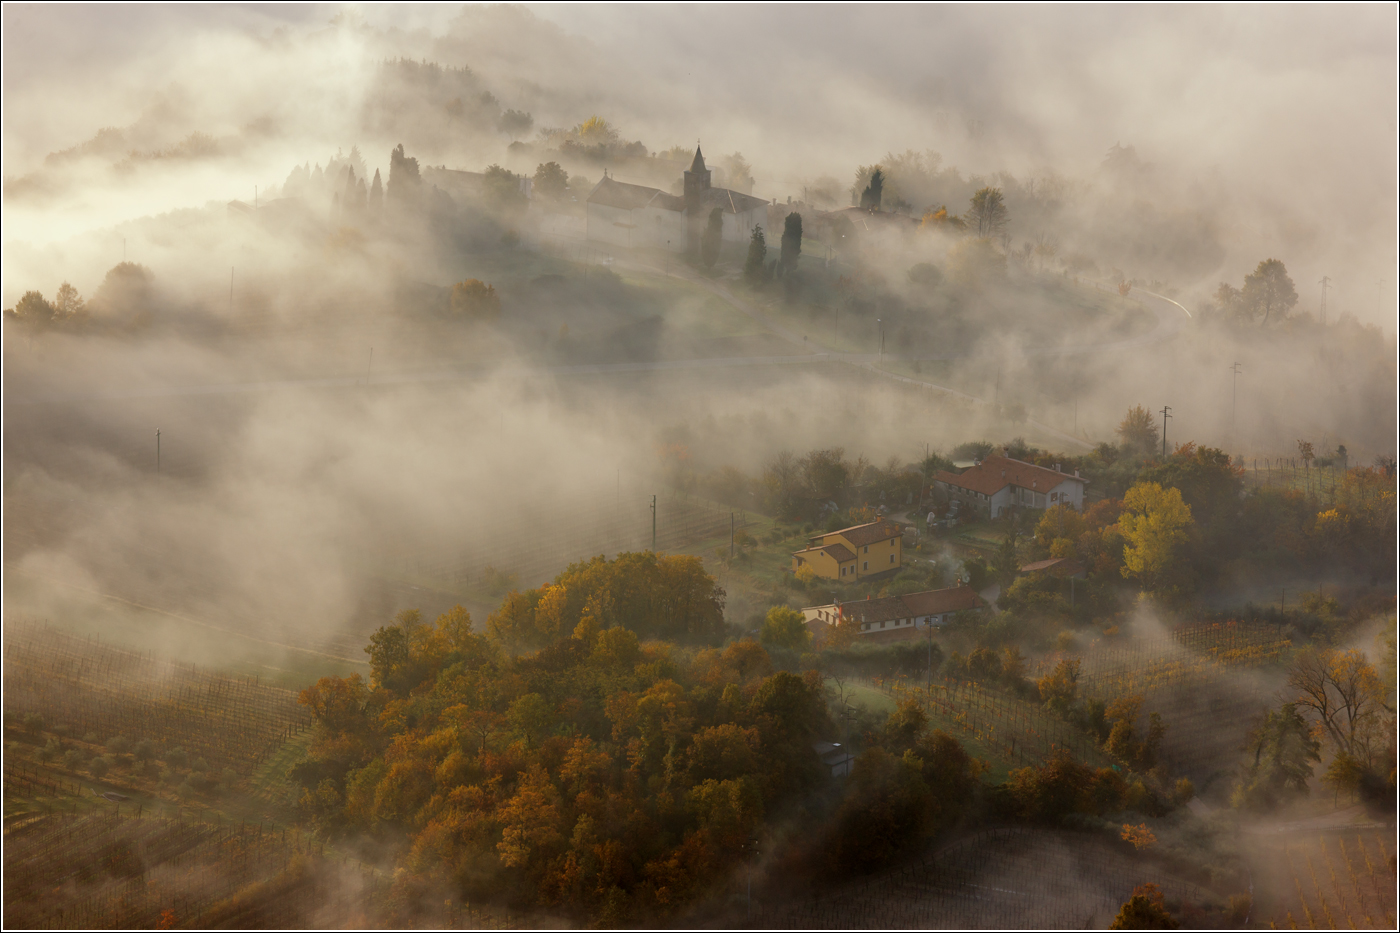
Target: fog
317 422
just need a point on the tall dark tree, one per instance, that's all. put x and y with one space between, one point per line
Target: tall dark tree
551 181
376 194
404 180
1268 291
870 197
792 242
758 254
713 236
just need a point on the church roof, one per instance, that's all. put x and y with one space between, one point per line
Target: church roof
699 164
733 202
613 193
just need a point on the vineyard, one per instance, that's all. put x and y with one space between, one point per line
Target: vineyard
1023 733
1337 880
1014 878
99 691
109 869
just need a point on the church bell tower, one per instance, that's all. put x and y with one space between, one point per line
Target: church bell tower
697 182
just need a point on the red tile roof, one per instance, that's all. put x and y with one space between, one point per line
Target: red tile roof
839 552
869 533
996 473
937 602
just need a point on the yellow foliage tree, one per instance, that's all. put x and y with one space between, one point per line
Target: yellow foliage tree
1155 523
475 300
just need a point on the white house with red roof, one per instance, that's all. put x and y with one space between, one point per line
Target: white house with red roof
1001 483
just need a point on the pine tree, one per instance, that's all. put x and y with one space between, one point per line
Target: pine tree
710 242
376 194
758 253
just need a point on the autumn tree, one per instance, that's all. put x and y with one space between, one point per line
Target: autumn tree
32 309
712 238
1343 695
987 214
1268 291
67 303
1156 524
757 256
1138 431
1059 687
1146 909
738 173
474 300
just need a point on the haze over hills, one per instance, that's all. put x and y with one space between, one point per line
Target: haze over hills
447 445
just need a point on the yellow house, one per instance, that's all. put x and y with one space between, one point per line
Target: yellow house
853 553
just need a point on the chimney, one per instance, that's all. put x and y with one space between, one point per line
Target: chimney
1076 473
1057 468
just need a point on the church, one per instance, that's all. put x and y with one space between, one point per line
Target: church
637 216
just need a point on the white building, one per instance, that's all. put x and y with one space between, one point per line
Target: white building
1000 483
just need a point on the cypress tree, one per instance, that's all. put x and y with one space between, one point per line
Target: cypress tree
792 242
758 252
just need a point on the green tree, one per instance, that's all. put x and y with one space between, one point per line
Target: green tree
792 243
870 198
1268 291
758 255
987 213
502 189
785 627
1284 751
551 182
515 123
32 309
712 238
738 173
1138 431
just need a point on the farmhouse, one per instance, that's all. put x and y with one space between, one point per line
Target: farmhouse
634 215
1000 483
853 553
893 618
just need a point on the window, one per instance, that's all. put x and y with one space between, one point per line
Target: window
882 625
843 571
892 558
867 549
867 566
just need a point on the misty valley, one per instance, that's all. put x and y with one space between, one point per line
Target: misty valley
429 503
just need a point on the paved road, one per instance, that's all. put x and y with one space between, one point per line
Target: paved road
1170 316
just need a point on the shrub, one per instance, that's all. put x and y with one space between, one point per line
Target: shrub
34 723
177 758
119 745
99 766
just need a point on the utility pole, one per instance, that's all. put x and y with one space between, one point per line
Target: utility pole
157 450
1166 413
881 324
1234 378
370 366
1325 283
230 289
731 535
653 524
